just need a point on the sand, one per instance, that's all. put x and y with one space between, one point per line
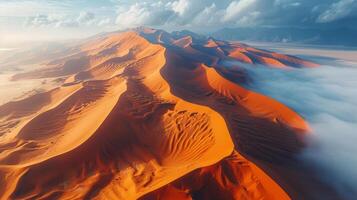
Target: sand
16 90
145 114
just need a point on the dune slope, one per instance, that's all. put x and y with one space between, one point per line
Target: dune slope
151 115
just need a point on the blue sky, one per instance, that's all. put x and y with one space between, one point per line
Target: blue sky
60 19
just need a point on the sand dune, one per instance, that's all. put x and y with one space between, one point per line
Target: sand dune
151 115
232 178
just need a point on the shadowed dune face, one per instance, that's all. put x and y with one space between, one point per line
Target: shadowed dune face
148 114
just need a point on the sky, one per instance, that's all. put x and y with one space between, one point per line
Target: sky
32 20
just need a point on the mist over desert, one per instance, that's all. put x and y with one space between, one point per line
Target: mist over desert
325 97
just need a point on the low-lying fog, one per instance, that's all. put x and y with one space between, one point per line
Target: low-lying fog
327 98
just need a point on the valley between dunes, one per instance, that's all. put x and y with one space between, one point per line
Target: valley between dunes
145 114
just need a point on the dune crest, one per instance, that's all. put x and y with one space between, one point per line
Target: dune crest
147 114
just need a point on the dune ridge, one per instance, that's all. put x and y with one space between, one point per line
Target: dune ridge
151 115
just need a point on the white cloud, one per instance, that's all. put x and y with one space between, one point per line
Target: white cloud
248 19
337 11
56 21
104 22
137 14
42 20
25 8
85 17
180 6
197 15
327 98
238 9
67 23
210 15
187 13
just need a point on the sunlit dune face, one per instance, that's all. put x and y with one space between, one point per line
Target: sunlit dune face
98 126
146 113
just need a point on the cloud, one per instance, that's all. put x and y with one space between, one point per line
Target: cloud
104 22
56 21
66 23
327 98
137 14
152 14
210 16
85 17
201 14
196 15
186 13
180 6
238 9
25 8
42 20
39 20
337 11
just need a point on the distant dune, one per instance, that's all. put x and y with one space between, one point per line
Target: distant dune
152 115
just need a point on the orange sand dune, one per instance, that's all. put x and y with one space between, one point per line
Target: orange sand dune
232 178
146 114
